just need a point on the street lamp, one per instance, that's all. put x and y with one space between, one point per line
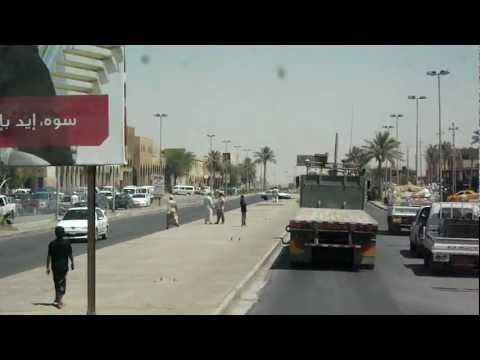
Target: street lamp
212 168
454 128
438 75
416 98
396 116
161 117
226 142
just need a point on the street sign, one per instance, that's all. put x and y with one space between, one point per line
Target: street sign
158 183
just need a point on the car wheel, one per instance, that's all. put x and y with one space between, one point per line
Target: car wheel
105 236
413 250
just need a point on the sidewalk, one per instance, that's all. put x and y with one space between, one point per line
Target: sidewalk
186 270
379 205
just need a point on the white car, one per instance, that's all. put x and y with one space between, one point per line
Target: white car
281 195
75 224
141 200
108 194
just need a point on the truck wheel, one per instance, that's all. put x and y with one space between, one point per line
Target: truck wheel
429 264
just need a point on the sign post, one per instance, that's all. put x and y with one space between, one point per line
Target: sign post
91 175
158 182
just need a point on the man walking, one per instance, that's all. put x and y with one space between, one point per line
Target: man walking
221 208
172 212
59 251
275 195
243 208
208 208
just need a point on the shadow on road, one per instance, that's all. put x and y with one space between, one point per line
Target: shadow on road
420 270
283 263
408 255
46 304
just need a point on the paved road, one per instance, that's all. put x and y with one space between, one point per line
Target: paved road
24 252
398 285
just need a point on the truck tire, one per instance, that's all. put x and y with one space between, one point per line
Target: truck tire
429 264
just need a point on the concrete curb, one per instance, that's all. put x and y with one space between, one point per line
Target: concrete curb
227 301
378 206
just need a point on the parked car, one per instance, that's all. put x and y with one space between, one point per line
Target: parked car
141 200
267 195
466 195
122 201
67 202
44 201
183 190
75 224
7 206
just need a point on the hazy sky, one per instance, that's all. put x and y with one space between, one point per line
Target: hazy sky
235 93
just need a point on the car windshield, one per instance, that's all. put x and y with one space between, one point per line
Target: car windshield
129 191
76 215
67 199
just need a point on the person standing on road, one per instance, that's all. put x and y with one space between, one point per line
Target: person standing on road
208 208
172 212
243 208
59 251
221 208
275 195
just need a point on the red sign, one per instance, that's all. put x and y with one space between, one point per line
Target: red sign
77 120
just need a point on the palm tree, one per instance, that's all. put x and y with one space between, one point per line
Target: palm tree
264 156
215 163
382 148
356 158
248 171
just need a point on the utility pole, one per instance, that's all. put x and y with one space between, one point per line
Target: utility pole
454 128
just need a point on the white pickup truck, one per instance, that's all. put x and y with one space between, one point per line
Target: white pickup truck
7 207
446 234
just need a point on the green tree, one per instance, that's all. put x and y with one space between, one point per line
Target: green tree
382 148
264 156
356 158
248 171
215 164
178 163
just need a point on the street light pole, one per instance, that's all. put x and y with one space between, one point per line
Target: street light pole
438 74
212 165
389 178
454 128
160 116
416 98
397 116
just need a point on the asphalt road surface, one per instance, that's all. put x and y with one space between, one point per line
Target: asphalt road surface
28 251
398 285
